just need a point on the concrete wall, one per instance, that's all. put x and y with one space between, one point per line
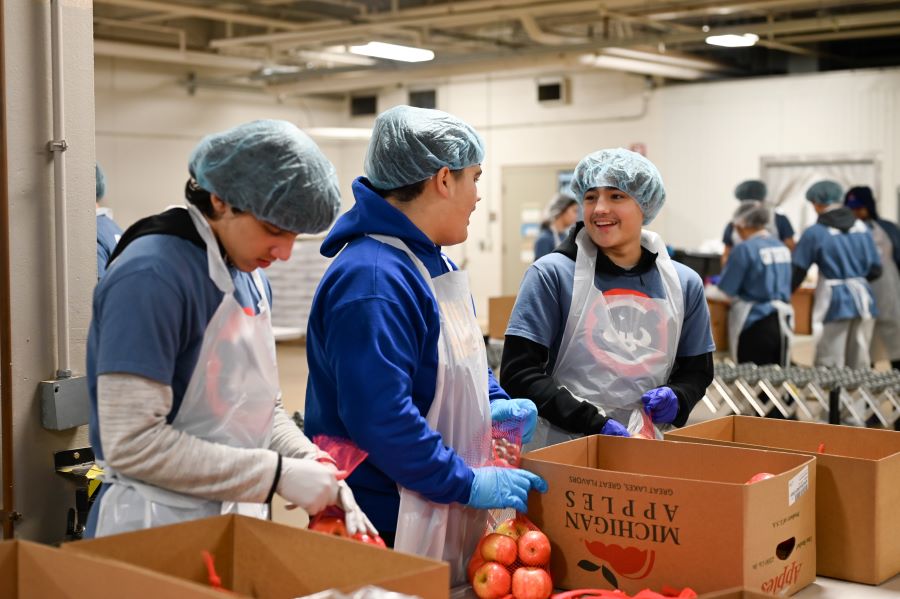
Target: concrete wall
41 495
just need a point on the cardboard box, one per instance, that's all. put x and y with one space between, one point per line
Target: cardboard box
637 513
32 570
858 493
270 561
802 300
735 594
499 309
718 320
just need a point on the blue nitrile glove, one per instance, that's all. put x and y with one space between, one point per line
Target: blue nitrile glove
500 488
522 410
614 428
661 403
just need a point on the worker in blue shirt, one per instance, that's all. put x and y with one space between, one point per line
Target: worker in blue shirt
108 232
607 325
754 190
886 288
758 278
397 361
844 251
186 412
562 212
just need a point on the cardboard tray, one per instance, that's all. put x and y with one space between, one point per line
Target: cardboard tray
638 513
262 559
857 494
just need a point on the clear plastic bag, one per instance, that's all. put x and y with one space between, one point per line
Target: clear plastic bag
641 426
367 592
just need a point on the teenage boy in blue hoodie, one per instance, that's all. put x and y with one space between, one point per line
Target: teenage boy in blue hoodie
396 358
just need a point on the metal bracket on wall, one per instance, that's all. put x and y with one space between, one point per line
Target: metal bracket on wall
13 516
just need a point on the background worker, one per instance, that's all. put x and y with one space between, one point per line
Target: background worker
108 232
608 324
754 190
758 278
186 414
397 361
562 212
843 306
886 288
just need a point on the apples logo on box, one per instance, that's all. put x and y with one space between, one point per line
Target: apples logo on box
629 562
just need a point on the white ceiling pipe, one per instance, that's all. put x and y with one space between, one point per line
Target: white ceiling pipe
672 59
183 10
320 33
179 34
148 53
631 65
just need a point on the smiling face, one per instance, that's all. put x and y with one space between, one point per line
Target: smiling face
249 243
612 219
458 203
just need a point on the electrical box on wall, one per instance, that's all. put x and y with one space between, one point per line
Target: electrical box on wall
553 90
423 98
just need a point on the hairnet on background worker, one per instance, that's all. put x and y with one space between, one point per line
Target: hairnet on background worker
108 232
749 192
396 357
607 325
186 413
886 288
843 306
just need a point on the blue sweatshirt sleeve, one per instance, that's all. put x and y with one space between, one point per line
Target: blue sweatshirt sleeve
495 391
374 347
734 271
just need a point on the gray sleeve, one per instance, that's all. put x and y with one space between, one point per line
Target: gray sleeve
139 443
288 439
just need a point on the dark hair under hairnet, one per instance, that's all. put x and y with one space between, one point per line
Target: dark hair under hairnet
101 181
825 192
751 189
411 144
272 170
626 171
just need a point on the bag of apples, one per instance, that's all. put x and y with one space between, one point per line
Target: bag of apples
514 557
346 456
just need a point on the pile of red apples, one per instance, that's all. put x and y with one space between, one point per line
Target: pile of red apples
512 561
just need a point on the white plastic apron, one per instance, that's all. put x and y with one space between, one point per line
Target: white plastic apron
230 399
615 348
461 413
886 290
737 316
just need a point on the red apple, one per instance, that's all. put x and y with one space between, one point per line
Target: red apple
531 583
475 562
498 548
534 548
513 527
370 539
330 525
758 477
491 581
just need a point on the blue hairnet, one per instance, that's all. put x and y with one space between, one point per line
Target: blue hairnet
272 170
409 145
559 204
626 171
101 181
861 197
825 192
751 189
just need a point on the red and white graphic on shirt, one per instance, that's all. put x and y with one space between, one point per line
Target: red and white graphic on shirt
628 331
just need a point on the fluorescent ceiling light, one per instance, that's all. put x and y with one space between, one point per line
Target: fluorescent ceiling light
393 52
733 41
273 70
340 133
630 65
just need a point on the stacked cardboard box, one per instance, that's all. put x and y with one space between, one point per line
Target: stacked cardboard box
635 514
858 488
31 570
270 561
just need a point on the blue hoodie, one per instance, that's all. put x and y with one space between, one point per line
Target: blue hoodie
372 347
